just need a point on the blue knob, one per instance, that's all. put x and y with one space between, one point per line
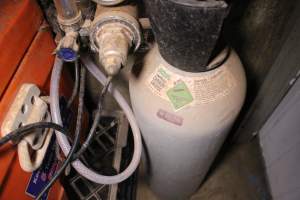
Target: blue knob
67 54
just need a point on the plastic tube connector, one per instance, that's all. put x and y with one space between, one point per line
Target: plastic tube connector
67 49
67 54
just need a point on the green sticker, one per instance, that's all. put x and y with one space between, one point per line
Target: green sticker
180 95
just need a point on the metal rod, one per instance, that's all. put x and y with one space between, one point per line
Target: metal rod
66 9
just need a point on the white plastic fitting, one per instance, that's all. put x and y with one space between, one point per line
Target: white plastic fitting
29 108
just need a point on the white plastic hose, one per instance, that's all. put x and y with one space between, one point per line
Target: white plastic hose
63 141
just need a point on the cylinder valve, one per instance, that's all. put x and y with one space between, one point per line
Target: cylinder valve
114 32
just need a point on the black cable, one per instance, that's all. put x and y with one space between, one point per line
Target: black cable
92 131
77 135
76 84
28 129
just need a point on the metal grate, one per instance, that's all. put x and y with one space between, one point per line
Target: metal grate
103 155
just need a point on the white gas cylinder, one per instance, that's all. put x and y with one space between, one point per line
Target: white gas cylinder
184 118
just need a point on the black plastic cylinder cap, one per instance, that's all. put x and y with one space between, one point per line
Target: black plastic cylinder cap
187 30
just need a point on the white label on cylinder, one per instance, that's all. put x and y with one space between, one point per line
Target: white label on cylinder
183 90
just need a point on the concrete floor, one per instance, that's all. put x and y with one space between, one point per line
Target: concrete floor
237 175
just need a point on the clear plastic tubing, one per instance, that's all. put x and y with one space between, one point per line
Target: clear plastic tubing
63 140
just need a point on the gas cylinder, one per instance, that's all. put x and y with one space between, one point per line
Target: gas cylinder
184 110
184 118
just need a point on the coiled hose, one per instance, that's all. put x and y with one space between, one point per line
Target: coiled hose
63 140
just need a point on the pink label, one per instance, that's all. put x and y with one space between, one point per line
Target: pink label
170 117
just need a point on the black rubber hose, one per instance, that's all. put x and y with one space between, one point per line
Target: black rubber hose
92 132
77 134
76 84
28 129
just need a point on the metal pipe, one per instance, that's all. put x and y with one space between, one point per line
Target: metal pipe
70 19
108 2
66 9
130 9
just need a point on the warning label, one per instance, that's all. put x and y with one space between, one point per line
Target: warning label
180 95
182 91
